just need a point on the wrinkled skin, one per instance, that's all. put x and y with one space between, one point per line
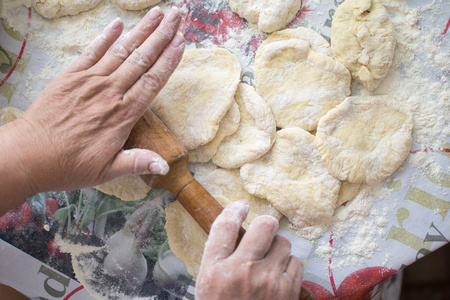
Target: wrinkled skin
260 268
73 133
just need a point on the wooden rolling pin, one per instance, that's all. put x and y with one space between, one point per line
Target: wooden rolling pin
150 133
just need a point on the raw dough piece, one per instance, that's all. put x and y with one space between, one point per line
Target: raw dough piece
347 192
228 126
362 39
9 114
134 4
269 16
186 238
316 42
198 95
296 181
127 188
299 83
52 9
363 139
228 183
256 133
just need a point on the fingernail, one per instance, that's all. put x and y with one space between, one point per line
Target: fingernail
154 13
114 25
173 14
159 168
242 203
177 40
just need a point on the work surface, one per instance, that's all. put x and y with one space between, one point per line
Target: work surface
386 227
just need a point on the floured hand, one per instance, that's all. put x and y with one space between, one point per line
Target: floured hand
72 135
260 268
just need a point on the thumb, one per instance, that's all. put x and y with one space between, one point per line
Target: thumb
137 162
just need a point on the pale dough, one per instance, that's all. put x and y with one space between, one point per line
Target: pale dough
9 114
295 180
134 4
299 83
187 239
269 16
255 135
127 188
198 95
52 9
228 126
316 42
228 183
348 191
363 140
362 39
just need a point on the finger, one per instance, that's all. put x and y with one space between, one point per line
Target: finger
137 162
258 238
279 253
97 49
128 43
224 232
140 61
294 270
150 84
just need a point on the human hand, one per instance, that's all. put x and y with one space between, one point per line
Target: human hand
72 135
261 267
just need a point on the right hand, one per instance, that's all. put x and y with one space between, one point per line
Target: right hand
261 267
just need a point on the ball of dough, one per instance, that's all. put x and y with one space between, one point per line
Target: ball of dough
198 95
127 188
299 83
134 4
228 126
9 114
269 16
362 39
363 140
295 180
52 9
255 135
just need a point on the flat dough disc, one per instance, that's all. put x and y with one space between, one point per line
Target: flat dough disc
228 184
9 114
269 16
228 126
362 39
300 84
316 42
127 188
52 9
186 238
198 95
363 140
296 181
255 135
134 4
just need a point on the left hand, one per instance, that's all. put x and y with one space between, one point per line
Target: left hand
72 135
